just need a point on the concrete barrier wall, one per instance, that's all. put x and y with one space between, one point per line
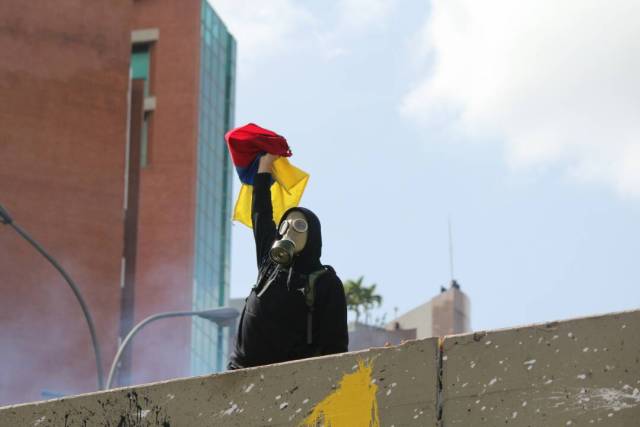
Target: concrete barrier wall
580 372
379 387
576 373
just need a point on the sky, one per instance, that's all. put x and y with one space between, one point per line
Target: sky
519 121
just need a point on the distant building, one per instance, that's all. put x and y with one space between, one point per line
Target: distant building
112 156
363 336
446 314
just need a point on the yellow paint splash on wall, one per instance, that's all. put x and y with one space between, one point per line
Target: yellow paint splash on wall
353 404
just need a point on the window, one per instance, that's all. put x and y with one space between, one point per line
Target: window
140 69
140 64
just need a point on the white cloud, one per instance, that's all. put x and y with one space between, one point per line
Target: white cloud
264 28
365 14
267 28
558 82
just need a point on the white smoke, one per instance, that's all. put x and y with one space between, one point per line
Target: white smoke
556 82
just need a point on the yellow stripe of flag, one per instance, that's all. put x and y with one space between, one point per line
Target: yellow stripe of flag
286 192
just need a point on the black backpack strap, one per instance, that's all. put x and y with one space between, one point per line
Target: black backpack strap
310 295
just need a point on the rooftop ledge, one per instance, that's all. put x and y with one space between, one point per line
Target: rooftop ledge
579 372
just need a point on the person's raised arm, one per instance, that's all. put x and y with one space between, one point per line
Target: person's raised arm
264 229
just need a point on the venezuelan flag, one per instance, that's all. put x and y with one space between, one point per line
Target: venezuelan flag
246 145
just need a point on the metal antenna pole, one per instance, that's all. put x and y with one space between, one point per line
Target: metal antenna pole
450 250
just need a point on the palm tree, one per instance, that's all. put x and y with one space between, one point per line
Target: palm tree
361 297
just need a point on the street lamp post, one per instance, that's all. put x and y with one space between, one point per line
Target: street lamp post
5 218
223 316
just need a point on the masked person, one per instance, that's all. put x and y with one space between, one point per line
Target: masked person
297 309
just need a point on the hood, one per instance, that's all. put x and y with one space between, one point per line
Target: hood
308 260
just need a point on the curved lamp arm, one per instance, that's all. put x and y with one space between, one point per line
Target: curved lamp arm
5 218
223 316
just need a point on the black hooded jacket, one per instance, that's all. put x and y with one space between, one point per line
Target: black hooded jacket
273 327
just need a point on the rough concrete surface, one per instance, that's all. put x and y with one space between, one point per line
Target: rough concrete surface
580 372
402 382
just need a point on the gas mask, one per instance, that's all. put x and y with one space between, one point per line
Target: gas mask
294 233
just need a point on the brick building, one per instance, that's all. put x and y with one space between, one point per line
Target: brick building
125 181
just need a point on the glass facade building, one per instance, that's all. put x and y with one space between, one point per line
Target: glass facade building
213 199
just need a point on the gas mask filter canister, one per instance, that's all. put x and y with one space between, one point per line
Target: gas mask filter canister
294 237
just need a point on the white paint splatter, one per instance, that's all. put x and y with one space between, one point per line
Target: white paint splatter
284 405
493 381
144 413
388 392
514 415
530 362
231 409
524 403
611 399
305 401
394 384
581 376
472 364
39 421
278 397
445 357
171 396
487 343
615 399
584 350
248 389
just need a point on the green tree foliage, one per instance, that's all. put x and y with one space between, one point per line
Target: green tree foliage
361 298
